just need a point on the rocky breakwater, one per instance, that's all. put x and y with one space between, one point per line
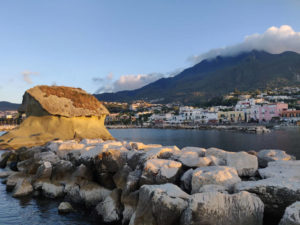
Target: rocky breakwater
57 113
134 183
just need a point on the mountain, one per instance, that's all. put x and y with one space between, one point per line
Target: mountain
215 77
8 106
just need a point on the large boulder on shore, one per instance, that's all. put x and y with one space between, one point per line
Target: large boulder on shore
212 208
279 189
270 155
57 112
218 175
159 204
291 215
160 171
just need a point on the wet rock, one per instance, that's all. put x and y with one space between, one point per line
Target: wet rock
23 188
65 207
159 204
212 208
5 174
219 175
269 155
14 179
291 215
159 171
110 210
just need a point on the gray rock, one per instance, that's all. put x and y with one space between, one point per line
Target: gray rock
186 180
212 208
160 171
110 210
269 155
218 175
65 207
159 204
244 163
23 188
44 171
291 215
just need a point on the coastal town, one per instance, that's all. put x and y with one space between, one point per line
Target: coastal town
272 107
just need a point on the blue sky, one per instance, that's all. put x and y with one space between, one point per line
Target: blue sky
93 43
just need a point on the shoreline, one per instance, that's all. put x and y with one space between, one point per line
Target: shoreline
241 128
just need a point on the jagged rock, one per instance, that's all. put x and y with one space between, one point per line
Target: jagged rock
28 153
62 169
140 146
113 159
212 208
218 153
22 188
279 190
160 171
291 215
159 204
132 181
5 174
199 151
186 180
49 189
44 171
269 155
110 209
4 158
28 166
56 112
219 175
192 159
244 163
213 188
46 157
16 178
120 178
129 201
65 207
92 194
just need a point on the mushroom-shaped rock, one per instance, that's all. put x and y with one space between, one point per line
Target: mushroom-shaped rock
57 112
219 175
269 155
291 215
212 208
160 171
159 204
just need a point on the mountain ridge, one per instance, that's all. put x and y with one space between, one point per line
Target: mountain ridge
218 76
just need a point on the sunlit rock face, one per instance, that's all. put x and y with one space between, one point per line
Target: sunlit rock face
57 112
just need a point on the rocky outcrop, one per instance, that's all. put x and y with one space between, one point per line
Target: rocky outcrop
132 183
212 208
56 112
291 215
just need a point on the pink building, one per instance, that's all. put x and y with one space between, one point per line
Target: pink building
269 111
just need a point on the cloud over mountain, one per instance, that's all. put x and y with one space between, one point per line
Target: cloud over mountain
27 76
273 40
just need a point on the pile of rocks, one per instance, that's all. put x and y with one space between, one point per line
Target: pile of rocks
134 183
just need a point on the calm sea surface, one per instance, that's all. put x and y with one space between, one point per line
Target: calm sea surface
29 211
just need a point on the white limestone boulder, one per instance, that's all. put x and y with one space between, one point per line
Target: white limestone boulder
269 155
244 163
159 204
192 159
186 180
212 208
218 175
159 171
291 215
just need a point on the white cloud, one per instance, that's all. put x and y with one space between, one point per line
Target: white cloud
27 76
273 40
130 82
